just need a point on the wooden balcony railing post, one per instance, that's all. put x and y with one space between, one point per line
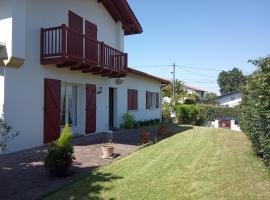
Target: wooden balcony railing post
64 37
126 62
102 54
41 45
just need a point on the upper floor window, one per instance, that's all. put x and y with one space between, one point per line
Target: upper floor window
132 99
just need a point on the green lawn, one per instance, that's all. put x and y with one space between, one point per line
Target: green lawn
199 163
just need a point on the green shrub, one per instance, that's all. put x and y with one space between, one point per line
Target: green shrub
199 114
254 117
146 123
5 134
60 154
187 114
157 121
128 121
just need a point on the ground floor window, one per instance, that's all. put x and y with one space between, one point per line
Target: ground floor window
69 99
152 100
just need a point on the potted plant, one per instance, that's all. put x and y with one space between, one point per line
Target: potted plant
59 157
144 136
107 149
163 129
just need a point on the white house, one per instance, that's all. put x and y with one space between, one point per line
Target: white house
229 100
64 62
193 90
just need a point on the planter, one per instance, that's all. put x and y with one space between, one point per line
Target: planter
107 151
144 137
163 129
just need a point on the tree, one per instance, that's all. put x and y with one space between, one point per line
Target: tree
209 95
230 81
168 90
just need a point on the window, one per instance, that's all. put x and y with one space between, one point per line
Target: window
152 100
132 99
69 95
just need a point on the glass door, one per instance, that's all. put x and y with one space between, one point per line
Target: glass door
69 99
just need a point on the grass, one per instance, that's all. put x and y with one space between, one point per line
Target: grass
200 163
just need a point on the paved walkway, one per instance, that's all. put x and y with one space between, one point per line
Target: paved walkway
22 174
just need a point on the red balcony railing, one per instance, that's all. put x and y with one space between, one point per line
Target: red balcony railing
62 46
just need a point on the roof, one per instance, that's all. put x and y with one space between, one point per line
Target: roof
140 73
224 95
121 11
193 88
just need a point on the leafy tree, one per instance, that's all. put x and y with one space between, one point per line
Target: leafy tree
209 95
168 90
230 81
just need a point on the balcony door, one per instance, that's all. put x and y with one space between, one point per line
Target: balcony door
75 36
91 45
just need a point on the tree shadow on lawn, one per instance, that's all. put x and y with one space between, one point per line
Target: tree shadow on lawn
88 187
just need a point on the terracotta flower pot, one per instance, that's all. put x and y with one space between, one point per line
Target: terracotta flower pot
107 151
144 137
163 129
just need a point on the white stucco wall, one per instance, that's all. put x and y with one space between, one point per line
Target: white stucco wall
50 13
24 87
230 100
2 82
6 24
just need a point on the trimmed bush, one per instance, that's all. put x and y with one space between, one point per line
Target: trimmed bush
60 154
128 121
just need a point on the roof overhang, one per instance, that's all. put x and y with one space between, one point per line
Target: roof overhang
143 74
121 11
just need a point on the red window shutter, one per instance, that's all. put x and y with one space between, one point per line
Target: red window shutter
129 97
132 99
91 46
75 39
90 125
148 99
52 102
135 99
157 100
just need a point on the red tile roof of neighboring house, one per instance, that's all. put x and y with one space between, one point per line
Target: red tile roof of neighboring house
193 88
121 11
140 73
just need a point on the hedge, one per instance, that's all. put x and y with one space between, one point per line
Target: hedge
254 117
199 114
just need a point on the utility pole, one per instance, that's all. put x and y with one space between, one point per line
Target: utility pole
173 72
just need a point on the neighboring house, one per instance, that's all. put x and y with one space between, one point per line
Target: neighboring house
193 90
65 63
229 100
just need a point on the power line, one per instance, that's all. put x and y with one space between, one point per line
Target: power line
189 67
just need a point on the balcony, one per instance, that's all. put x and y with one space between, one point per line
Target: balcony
67 48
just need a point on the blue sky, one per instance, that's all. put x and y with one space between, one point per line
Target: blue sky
202 37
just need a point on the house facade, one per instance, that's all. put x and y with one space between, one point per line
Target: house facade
65 64
228 100
193 90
